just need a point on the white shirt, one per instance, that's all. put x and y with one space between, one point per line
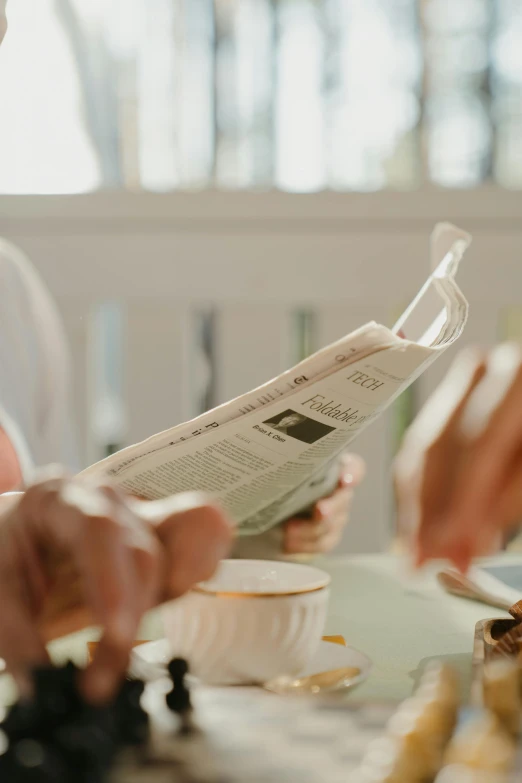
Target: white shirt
34 367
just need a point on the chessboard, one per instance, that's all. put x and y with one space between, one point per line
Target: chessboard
172 730
165 731
247 734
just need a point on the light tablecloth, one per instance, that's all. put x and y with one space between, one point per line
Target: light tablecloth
398 618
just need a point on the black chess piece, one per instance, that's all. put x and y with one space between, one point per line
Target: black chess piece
132 720
56 692
6 761
23 719
178 699
56 737
90 741
34 761
55 698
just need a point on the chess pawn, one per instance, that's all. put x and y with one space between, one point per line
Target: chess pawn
483 745
178 699
501 691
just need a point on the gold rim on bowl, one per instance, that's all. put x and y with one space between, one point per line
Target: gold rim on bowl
238 594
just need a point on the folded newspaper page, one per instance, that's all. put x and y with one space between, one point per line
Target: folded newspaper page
274 451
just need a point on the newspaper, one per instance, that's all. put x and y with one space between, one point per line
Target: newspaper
274 451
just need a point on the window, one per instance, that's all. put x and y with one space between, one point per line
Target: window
299 95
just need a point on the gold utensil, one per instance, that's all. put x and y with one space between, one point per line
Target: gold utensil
324 682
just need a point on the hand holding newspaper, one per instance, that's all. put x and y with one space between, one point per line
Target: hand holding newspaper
271 453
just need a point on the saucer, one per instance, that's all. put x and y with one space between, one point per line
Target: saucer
149 661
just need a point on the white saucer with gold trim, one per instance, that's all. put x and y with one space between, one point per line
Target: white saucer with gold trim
149 661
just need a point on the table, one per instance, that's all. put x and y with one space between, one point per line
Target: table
402 620
398 618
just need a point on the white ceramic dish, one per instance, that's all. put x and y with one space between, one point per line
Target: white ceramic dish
149 660
254 620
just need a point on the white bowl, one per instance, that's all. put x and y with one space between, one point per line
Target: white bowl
253 621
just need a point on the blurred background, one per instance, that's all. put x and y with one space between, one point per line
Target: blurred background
300 95
212 189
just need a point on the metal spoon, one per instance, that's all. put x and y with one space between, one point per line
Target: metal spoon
323 682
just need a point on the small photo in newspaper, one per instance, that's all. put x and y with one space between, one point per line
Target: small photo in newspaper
298 426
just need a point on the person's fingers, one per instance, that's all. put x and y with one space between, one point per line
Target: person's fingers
323 545
195 535
426 468
488 535
109 580
492 427
352 470
147 553
299 532
122 551
487 437
334 505
480 500
21 645
330 516
309 536
24 552
330 542
116 558
507 511
120 564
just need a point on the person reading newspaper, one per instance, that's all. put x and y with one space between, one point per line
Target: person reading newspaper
36 424
270 454
125 555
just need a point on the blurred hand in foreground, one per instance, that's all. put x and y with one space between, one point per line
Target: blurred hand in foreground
459 472
75 553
